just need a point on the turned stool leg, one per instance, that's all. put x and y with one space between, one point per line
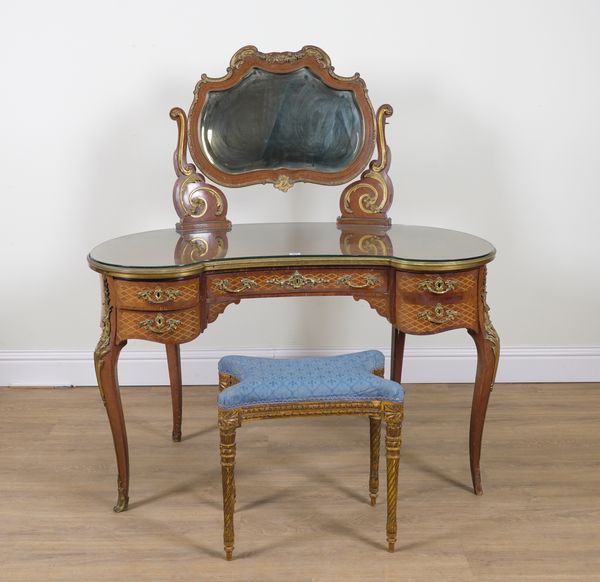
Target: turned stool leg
227 427
375 434
393 421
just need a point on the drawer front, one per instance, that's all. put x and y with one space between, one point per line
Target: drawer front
156 296
301 281
428 303
159 326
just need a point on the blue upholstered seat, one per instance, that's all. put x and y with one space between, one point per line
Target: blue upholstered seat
277 381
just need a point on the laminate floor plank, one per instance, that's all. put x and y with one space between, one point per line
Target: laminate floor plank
302 509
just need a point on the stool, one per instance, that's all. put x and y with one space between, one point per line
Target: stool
352 384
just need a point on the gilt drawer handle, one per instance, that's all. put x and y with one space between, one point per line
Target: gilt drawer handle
439 315
438 285
223 285
160 324
369 281
159 295
296 280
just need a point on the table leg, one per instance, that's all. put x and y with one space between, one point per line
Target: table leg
106 358
398 340
174 361
106 372
488 352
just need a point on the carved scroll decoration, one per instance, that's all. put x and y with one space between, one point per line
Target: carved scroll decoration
250 52
200 206
367 200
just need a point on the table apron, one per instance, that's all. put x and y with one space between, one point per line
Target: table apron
177 311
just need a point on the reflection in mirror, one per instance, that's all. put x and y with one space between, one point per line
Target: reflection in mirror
201 246
281 120
358 241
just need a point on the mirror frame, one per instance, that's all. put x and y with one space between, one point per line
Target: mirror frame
319 63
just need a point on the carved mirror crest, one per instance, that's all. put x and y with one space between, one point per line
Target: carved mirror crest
280 118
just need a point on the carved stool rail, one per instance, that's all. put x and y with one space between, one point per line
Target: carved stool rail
262 388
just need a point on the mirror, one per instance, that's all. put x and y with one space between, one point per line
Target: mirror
281 120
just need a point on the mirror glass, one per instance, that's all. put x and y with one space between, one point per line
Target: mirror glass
281 120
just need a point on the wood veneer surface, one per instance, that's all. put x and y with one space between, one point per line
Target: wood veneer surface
303 502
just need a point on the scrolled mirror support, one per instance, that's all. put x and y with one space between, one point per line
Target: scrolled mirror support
201 207
367 200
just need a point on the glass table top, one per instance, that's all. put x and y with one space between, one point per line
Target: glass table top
164 249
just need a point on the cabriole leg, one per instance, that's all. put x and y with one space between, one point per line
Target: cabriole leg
106 357
488 352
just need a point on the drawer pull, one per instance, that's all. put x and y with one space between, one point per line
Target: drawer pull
296 280
438 285
223 285
369 281
159 295
160 324
439 315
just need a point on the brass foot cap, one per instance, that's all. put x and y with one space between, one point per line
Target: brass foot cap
177 437
229 555
391 547
120 507
373 500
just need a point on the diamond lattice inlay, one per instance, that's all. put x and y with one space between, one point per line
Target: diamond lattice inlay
170 327
157 295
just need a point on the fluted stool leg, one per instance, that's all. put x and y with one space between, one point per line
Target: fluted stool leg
227 427
393 419
375 434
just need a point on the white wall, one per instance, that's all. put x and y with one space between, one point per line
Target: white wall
496 132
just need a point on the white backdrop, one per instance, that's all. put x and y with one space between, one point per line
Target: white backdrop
496 131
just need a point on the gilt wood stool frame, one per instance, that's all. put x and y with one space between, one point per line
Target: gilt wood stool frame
168 286
377 410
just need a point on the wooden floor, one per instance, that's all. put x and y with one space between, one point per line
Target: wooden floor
303 512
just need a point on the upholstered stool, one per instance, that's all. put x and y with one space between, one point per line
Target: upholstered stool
260 388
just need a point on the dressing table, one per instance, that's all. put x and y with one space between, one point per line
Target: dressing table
283 118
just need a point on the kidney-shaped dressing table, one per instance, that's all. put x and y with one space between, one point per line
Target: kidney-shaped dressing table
282 118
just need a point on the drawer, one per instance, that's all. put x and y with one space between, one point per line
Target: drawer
302 281
428 303
159 326
156 296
